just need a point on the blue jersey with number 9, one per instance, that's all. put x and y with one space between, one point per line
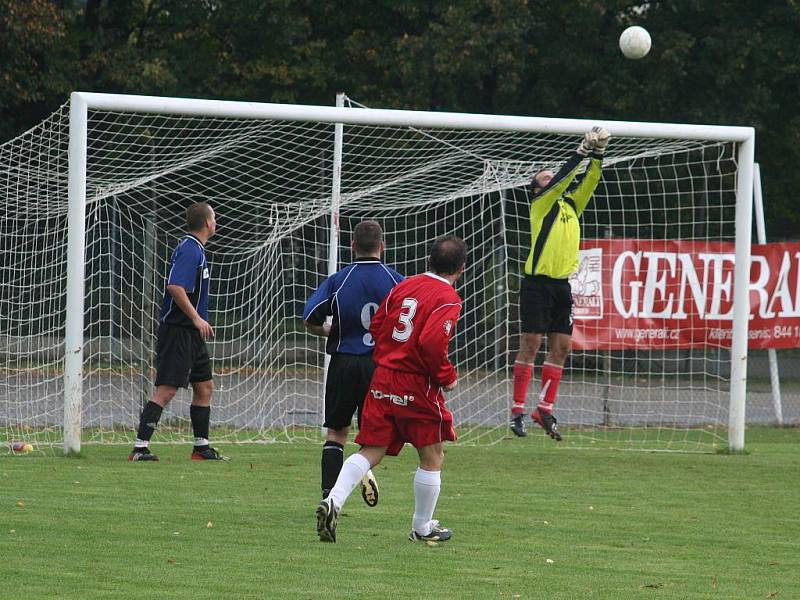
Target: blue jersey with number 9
351 296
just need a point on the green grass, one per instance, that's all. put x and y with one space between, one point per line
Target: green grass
614 524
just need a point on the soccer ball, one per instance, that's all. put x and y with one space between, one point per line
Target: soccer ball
634 42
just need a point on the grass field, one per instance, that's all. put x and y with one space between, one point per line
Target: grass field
528 523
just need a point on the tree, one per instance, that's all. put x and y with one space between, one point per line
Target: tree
30 35
732 62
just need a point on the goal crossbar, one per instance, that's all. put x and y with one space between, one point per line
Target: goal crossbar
402 118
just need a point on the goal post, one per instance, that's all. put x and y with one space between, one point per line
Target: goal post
274 169
741 292
76 242
761 237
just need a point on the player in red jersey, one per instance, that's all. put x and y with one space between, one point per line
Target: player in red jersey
412 330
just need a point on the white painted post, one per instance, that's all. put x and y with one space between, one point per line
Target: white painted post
761 232
333 242
336 191
741 294
76 243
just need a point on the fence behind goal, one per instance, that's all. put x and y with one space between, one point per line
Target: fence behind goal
276 185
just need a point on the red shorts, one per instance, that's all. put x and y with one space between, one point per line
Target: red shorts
404 407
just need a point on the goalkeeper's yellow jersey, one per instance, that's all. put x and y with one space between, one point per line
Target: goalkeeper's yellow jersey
555 225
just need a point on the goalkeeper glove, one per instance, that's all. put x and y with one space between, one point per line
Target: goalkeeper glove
587 144
601 140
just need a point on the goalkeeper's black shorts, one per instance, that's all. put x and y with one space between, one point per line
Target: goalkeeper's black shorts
346 386
545 305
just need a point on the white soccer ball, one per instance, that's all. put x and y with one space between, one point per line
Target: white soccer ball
634 42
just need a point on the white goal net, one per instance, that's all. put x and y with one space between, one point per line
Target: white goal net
270 181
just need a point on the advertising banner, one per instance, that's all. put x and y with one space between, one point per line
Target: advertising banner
663 294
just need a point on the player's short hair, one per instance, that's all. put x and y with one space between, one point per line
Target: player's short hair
197 214
367 237
448 255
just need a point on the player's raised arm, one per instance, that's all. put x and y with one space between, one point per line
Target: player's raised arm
583 193
547 187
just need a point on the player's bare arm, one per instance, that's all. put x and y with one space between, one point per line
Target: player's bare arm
323 330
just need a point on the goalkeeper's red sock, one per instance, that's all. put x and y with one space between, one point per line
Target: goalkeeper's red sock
551 377
522 379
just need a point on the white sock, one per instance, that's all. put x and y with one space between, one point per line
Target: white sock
353 469
426 492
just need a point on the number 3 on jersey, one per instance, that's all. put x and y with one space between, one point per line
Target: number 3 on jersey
407 312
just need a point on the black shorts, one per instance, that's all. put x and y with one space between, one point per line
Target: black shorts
181 356
346 386
545 305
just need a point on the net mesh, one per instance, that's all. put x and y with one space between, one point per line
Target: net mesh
270 183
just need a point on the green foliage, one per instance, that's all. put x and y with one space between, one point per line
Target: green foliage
31 40
730 62
530 522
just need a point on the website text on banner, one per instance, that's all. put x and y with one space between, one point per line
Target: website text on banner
663 294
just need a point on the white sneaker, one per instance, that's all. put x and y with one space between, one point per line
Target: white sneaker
327 519
369 489
437 534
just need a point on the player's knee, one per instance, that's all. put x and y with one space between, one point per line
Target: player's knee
432 463
431 457
559 354
203 390
338 435
525 357
163 394
373 454
529 346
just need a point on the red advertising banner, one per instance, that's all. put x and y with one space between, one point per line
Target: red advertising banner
662 294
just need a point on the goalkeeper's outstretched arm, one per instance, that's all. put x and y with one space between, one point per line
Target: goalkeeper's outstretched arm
583 193
592 143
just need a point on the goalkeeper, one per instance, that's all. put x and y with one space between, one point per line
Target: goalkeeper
545 302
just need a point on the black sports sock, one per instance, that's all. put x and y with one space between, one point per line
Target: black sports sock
201 417
332 461
148 420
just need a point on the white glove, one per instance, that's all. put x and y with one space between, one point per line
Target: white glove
601 140
588 143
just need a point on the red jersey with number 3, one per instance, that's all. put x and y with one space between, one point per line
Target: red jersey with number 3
413 326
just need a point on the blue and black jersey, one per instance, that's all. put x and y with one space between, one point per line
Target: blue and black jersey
351 296
188 269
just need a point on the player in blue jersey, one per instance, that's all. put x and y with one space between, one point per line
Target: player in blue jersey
181 352
349 297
